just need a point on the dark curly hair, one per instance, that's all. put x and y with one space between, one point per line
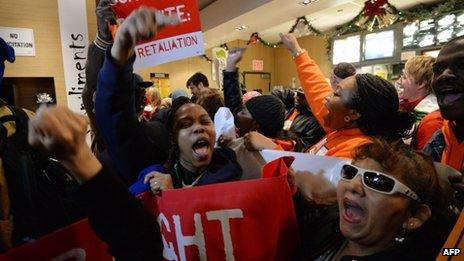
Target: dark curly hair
417 171
377 102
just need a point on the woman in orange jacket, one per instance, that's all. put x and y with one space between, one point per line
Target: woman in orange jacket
358 108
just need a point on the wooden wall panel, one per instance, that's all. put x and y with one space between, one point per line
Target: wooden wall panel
42 17
285 67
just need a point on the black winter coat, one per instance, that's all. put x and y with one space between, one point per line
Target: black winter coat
306 127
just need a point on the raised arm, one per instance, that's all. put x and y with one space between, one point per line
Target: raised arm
314 84
95 59
232 92
128 144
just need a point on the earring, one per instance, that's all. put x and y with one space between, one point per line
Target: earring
347 119
411 226
400 238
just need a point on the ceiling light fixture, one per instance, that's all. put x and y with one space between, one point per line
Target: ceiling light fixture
308 2
240 28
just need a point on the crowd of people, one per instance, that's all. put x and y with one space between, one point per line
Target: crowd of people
391 202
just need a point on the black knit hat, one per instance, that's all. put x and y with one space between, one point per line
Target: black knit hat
269 112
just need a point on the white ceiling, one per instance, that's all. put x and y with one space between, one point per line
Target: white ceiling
204 3
270 17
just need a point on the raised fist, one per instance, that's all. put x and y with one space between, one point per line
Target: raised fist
141 25
58 131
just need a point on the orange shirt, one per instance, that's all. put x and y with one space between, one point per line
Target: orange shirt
286 145
338 143
427 127
453 154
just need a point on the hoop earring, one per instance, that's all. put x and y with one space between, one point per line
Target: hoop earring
347 119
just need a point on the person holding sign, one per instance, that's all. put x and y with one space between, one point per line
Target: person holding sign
128 140
61 133
193 131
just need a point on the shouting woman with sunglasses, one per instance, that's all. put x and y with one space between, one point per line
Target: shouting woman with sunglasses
390 206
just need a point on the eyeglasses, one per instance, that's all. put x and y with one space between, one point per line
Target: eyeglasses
377 181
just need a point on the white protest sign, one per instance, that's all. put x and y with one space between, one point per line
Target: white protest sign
74 45
330 167
171 43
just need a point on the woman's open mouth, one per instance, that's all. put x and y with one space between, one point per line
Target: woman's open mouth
352 212
201 149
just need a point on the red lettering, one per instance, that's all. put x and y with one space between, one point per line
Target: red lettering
141 52
147 50
194 40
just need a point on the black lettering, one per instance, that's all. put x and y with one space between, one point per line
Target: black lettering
76 56
74 46
76 37
79 66
80 78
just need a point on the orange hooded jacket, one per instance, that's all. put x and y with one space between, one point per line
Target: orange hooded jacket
338 143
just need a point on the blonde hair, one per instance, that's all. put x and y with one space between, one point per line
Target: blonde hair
420 68
154 96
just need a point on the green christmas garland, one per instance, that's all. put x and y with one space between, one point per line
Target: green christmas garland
421 12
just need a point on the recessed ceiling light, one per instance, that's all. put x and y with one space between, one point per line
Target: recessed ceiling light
307 2
240 28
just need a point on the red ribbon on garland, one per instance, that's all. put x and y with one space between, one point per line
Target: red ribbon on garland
254 38
374 8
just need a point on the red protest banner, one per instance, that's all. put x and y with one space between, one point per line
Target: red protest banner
172 43
76 242
244 220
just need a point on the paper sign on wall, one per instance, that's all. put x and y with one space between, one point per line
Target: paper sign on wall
21 39
172 43
258 65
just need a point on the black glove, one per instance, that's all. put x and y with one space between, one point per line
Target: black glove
105 17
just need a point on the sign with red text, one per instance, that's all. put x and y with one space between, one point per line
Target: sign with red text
171 43
244 220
